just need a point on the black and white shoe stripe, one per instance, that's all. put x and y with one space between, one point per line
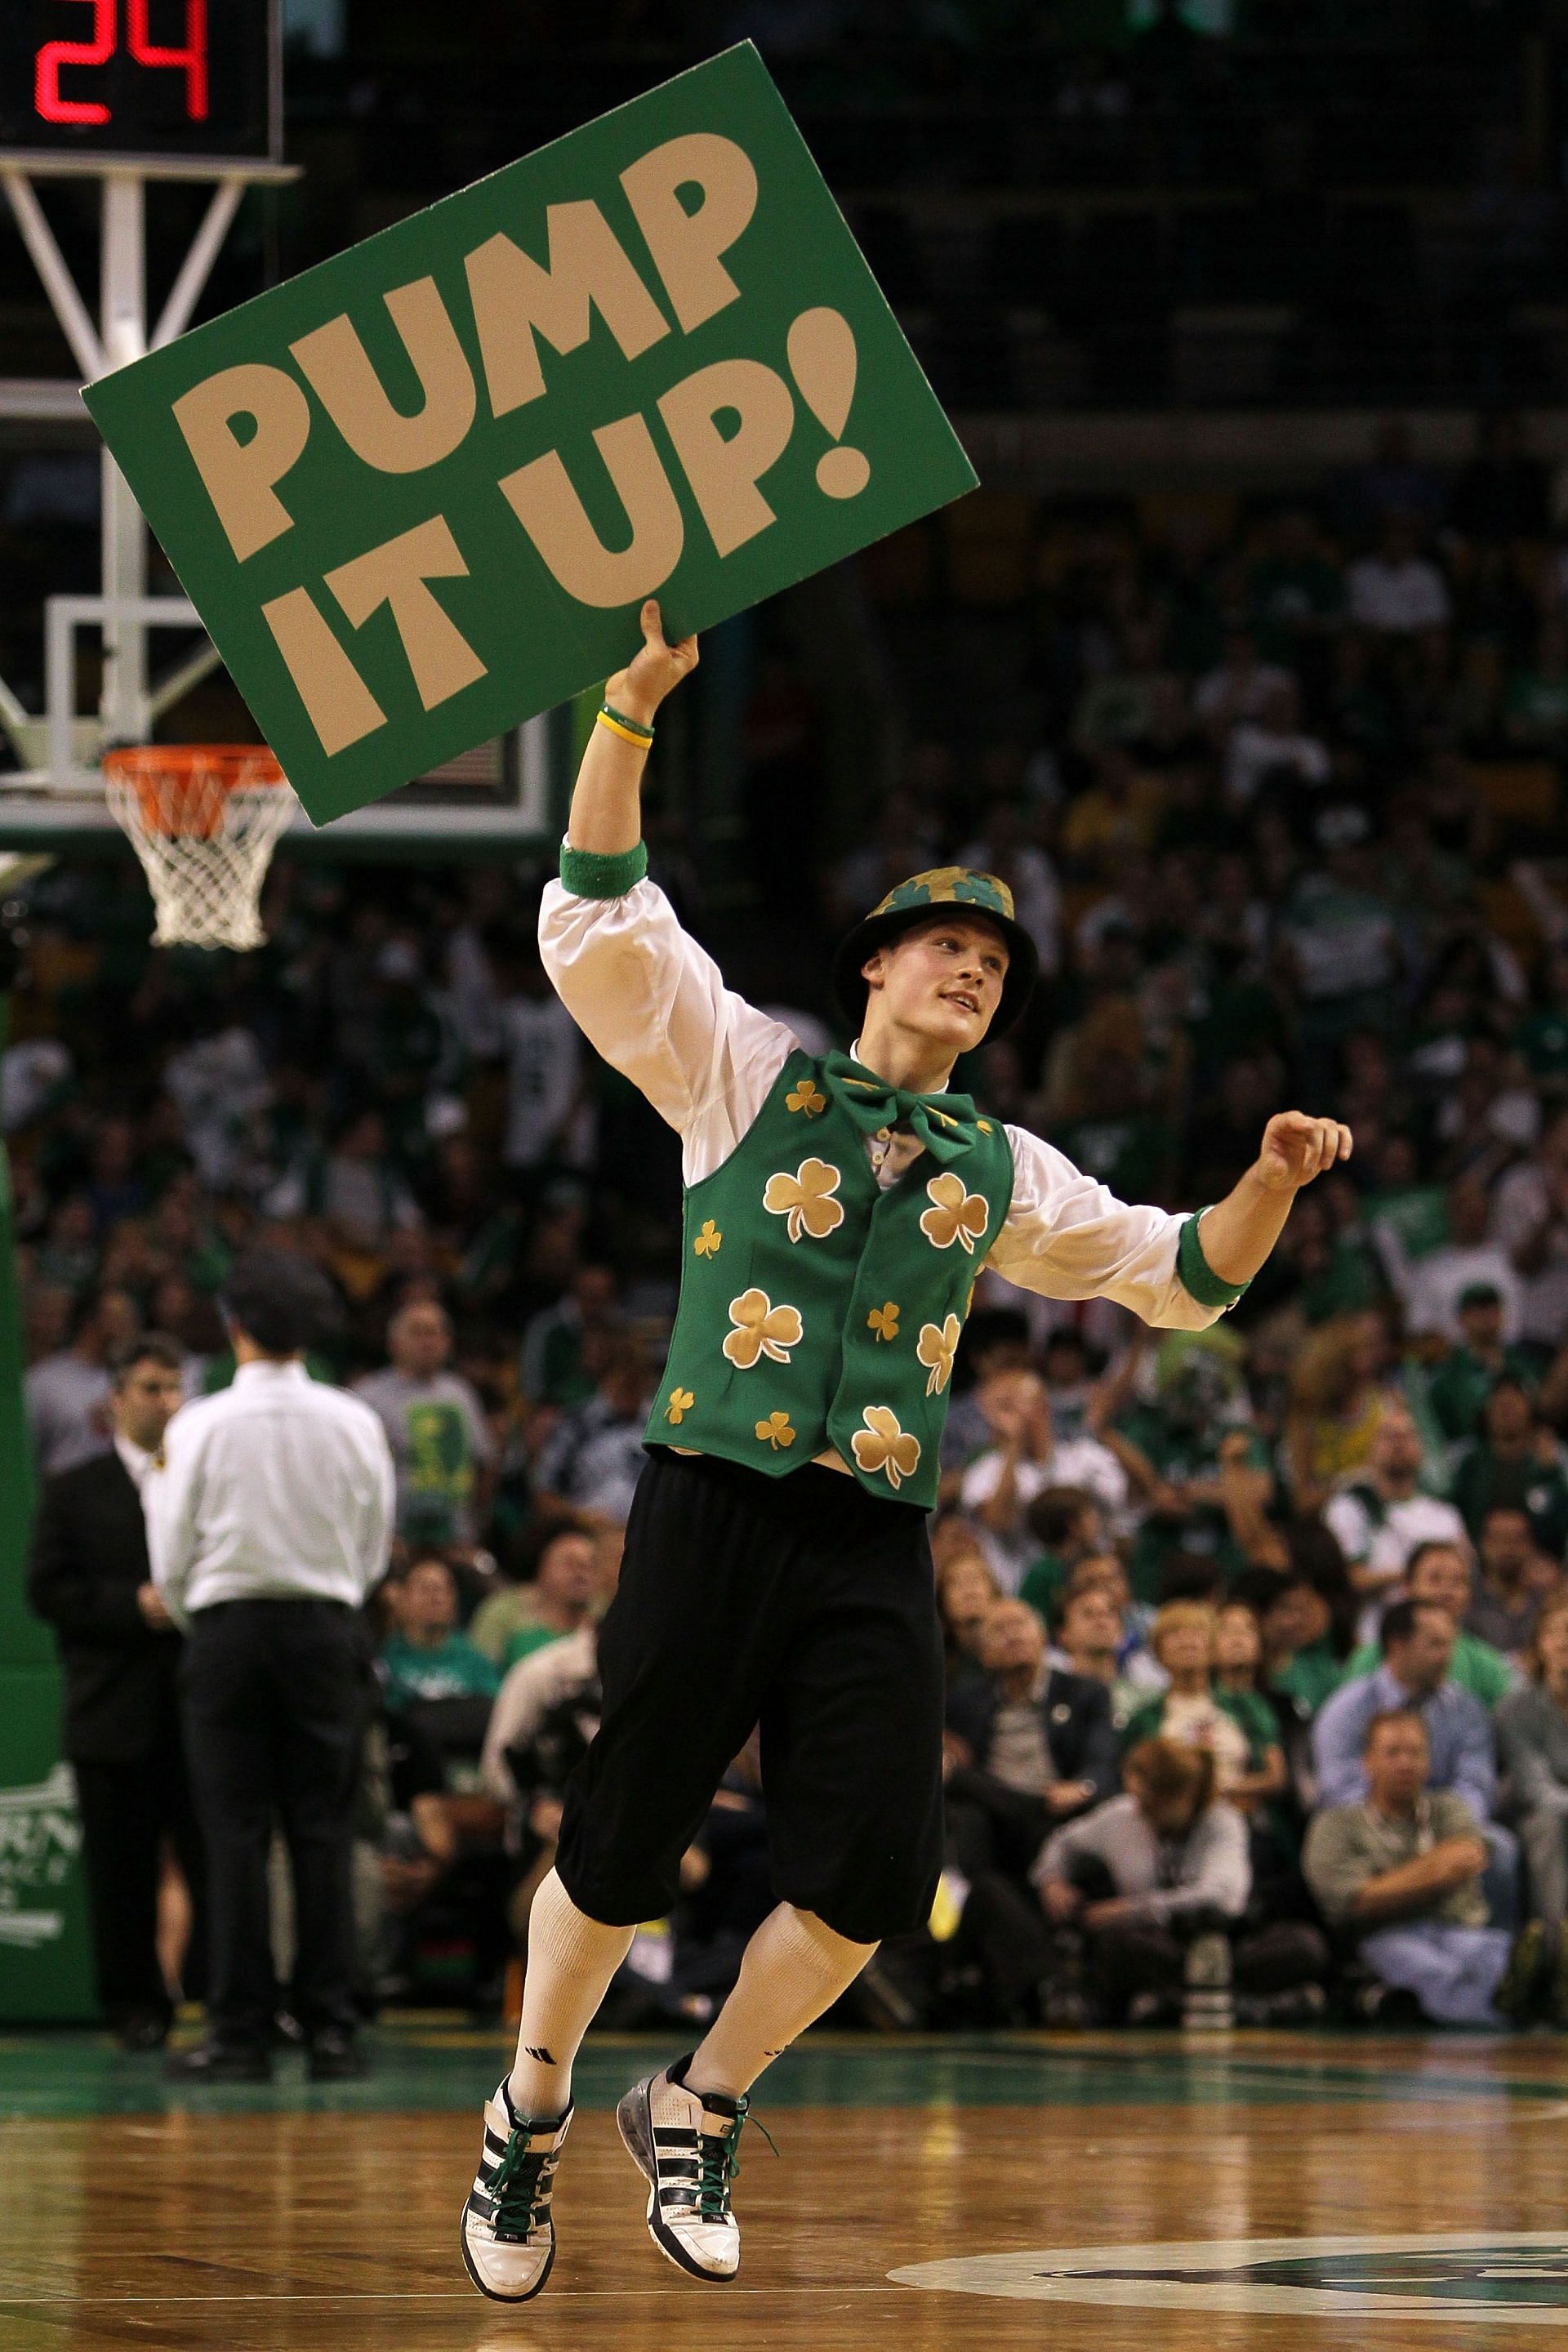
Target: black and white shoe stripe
508 2233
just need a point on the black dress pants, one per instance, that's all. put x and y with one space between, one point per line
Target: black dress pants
128 1807
275 1710
803 1603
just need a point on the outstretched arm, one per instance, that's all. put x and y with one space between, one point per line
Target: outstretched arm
606 811
1238 1232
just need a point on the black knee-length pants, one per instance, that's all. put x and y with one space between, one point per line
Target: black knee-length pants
803 1604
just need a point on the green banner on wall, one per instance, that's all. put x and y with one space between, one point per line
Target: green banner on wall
418 493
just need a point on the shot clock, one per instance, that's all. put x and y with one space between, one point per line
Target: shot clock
158 79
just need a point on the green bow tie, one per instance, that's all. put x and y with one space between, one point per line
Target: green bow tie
945 1124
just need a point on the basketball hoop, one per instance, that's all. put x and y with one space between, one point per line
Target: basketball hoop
203 819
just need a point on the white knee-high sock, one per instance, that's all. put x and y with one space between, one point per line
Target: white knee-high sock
795 1968
571 1959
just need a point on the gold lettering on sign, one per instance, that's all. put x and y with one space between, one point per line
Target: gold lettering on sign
723 468
338 703
439 655
241 477
541 497
339 371
515 302
686 246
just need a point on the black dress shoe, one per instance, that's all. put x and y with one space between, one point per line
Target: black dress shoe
220 2061
144 2030
335 2057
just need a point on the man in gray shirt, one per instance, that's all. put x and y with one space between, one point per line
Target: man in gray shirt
68 1392
1401 1869
436 1426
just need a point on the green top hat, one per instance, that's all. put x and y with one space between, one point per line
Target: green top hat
915 901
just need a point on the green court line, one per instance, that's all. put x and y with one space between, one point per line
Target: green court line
420 2066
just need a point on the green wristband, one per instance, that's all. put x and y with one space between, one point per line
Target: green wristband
1196 1277
590 874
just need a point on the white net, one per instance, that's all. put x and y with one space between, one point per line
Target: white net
203 820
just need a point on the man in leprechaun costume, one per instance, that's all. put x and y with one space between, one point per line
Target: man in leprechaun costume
838 1208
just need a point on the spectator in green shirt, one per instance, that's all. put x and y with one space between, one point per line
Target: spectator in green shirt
1069 1525
1299 1656
1439 1575
1464 1380
1199 1404
1207 1708
427 1657
552 1590
1515 1462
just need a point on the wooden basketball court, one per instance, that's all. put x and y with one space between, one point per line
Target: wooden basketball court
1011 2192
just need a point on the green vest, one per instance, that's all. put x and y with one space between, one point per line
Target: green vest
817 1310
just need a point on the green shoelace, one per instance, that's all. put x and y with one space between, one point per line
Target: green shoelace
719 2163
521 2186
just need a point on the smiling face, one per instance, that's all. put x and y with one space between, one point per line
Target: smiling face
941 980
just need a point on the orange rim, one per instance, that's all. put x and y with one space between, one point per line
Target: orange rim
181 787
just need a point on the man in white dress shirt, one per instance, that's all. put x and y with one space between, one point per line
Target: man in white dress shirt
269 1523
777 1568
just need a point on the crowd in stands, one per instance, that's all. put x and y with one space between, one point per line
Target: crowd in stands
1257 1637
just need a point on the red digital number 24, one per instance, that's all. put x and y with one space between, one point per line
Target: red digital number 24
191 60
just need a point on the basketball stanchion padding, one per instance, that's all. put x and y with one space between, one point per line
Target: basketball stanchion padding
203 818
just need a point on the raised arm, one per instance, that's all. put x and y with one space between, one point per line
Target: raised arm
607 804
646 997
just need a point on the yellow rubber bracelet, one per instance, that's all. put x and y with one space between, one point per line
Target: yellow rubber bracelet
642 742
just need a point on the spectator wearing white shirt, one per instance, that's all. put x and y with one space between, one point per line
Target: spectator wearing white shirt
1273 747
1433 1285
548 1116
268 1526
1024 1460
1380 1518
1398 591
1238 687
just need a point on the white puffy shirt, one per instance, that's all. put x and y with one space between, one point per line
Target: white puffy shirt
278 1487
654 1003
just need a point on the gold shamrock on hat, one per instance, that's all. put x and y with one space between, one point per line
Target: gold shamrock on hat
883 1445
954 1215
775 1430
807 1199
936 1346
761 1330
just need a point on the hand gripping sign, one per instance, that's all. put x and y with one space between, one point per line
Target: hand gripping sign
417 493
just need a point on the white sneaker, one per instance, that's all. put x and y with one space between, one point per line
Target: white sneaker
508 2234
684 2143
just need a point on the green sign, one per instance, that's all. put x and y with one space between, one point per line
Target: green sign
418 493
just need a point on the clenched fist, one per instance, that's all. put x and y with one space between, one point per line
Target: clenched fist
1296 1149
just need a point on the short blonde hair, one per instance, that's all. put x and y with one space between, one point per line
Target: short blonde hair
1181 1616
